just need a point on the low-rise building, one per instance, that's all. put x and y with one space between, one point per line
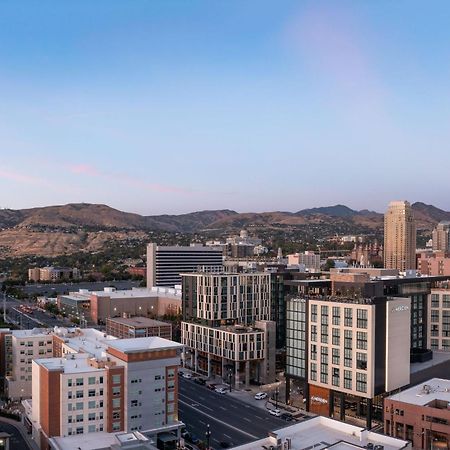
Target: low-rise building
323 433
97 306
53 273
307 259
134 327
420 414
436 263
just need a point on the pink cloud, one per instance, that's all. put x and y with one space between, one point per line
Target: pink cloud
20 177
84 169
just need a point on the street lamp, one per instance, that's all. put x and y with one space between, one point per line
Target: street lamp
276 398
208 437
229 377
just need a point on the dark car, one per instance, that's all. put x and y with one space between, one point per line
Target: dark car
225 444
180 373
200 381
194 439
212 387
287 417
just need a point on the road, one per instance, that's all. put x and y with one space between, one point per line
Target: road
16 441
230 420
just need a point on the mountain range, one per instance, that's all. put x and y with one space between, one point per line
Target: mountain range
60 229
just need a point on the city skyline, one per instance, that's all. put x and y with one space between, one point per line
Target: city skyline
169 107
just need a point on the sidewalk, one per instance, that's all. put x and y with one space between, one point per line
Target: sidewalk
22 430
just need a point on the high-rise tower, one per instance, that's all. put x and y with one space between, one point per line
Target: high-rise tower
399 237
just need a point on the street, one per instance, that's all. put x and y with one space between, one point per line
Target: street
230 420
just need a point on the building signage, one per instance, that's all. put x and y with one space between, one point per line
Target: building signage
400 308
317 399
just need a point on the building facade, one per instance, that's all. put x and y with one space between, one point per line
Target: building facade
134 327
420 414
399 237
441 237
165 264
343 351
439 319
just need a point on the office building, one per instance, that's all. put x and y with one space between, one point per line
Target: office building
439 318
98 383
96 306
441 237
226 326
134 327
323 433
343 351
399 237
165 264
307 259
420 414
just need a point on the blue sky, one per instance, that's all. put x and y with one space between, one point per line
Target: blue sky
174 106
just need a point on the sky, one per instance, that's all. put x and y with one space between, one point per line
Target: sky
166 106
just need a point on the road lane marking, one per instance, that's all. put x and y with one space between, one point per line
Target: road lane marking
247 420
226 435
220 421
193 401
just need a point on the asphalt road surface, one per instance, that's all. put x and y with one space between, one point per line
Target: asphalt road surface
16 441
230 420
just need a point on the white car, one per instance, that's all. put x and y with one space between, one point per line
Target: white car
221 390
187 375
260 396
275 412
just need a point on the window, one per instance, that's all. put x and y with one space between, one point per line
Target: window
79 382
116 391
434 315
91 416
157 377
446 301
116 379
79 430
91 380
348 317
435 300
314 333
335 377
100 380
336 315
313 313
91 405
91 429
116 403
80 394
91 393
79 418
79 405
348 339
69 419
361 340
133 403
361 318
347 379
347 357
361 382
335 357
361 361
336 336
324 334
313 352
116 415
116 426
313 372
69 395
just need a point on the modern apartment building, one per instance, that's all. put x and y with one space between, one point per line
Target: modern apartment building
98 383
441 237
343 351
420 414
18 350
399 237
226 325
439 319
53 274
97 306
165 264
134 327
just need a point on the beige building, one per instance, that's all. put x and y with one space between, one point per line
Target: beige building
439 319
399 237
134 327
441 237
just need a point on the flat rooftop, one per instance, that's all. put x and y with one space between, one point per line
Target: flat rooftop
101 440
139 322
424 393
139 293
321 433
144 344
73 363
35 332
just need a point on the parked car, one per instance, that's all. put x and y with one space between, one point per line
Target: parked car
260 396
287 417
180 373
212 386
200 381
221 390
187 375
275 412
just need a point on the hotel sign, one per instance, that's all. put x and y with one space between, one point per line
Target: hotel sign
400 308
